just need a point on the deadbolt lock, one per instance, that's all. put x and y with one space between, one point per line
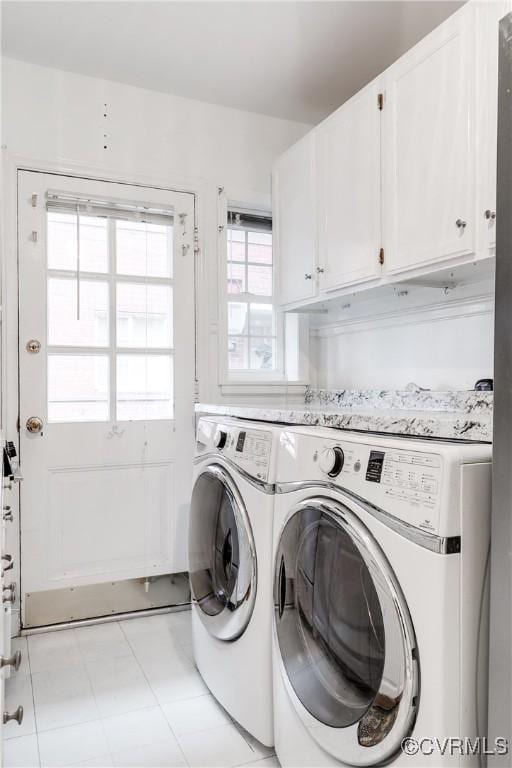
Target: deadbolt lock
33 346
34 424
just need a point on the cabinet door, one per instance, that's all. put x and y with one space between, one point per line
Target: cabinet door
349 192
488 16
294 224
428 136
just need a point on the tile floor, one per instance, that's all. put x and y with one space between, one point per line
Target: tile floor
125 693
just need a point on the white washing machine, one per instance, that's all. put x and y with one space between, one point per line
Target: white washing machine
380 610
230 566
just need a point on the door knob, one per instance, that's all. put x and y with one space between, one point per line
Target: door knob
16 715
34 424
11 661
490 214
11 597
461 224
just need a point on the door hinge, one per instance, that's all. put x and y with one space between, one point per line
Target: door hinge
381 256
380 101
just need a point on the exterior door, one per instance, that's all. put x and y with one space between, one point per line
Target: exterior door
106 335
345 636
222 555
349 192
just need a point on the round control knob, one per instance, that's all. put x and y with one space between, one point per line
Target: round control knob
332 460
219 438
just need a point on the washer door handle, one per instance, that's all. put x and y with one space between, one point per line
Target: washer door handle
282 587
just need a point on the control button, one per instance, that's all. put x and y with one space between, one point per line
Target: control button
219 438
357 466
332 460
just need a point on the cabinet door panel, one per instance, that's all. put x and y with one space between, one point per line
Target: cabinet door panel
487 26
349 193
429 137
293 196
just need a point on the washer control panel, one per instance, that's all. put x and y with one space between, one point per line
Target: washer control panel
248 448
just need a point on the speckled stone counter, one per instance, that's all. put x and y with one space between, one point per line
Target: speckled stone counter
419 413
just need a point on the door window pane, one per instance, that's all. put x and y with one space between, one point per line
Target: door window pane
144 387
62 242
144 249
259 248
260 280
78 388
236 277
236 245
237 352
237 317
64 301
144 315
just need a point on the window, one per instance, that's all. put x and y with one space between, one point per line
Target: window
252 324
109 315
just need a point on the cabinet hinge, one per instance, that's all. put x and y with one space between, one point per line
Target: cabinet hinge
381 256
380 101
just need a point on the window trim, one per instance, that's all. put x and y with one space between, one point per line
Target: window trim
244 377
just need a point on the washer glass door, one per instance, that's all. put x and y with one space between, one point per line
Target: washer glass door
344 634
222 558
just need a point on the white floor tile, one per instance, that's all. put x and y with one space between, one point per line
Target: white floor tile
103 761
180 624
188 650
196 714
260 750
102 641
63 697
216 748
53 650
172 679
158 644
144 624
21 752
18 690
75 744
135 729
265 762
119 686
159 754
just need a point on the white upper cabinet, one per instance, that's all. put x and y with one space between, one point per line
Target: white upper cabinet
294 222
488 16
349 192
428 148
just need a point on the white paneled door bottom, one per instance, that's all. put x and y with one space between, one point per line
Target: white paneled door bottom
125 693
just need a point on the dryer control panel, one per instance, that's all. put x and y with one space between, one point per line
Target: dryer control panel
406 483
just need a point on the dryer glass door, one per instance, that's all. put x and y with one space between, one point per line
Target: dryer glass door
222 559
344 634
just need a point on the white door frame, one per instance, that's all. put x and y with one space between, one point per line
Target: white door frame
10 296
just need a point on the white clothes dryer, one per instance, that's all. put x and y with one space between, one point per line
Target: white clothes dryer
230 566
380 611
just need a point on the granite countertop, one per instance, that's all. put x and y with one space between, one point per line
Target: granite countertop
419 413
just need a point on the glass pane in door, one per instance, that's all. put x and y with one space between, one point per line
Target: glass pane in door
78 387
144 315
144 387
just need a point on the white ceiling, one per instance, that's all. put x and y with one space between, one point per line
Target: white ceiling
296 60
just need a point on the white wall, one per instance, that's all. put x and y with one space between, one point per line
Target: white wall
436 341
60 120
